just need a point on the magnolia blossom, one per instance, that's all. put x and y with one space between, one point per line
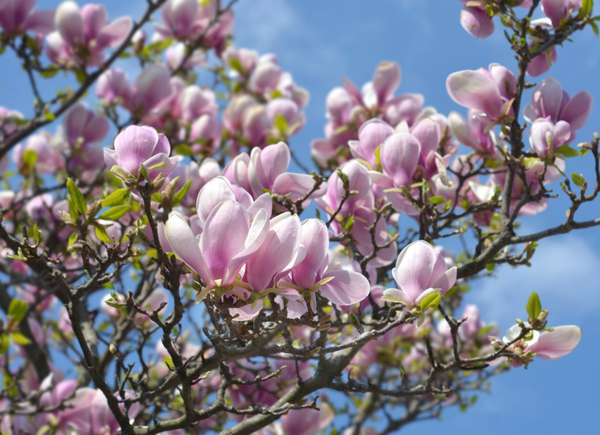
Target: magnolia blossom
489 91
82 35
537 174
302 422
557 10
420 270
151 89
546 136
553 343
83 126
18 16
266 169
188 19
549 101
475 19
475 131
138 146
47 152
348 107
543 61
319 271
237 229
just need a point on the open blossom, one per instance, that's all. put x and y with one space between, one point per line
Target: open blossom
189 19
48 153
546 136
348 107
371 136
557 10
551 102
272 105
82 34
488 91
138 146
17 16
227 232
543 61
84 126
537 174
553 343
319 271
266 169
420 270
476 131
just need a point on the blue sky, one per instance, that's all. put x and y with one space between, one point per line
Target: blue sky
322 42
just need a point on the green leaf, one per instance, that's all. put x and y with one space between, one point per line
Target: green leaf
75 200
281 124
586 9
17 309
72 240
579 179
180 194
115 213
30 158
235 63
431 300
567 151
102 234
534 306
20 339
184 149
115 198
436 200
50 72
4 343
34 233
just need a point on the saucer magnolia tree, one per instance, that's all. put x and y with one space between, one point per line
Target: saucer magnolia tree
166 268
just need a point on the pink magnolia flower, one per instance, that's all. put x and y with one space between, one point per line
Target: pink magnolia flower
82 35
318 271
227 234
359 186
18 16
371 135
84 126
537 173
138 146
349 107
189 19
49 153
546 136
113 87
557 10
198 175
302 422
551 102
475 131
9 121
489 91
554 343
475 19
89 413
400 154
420 270
152 87
543 61
266 169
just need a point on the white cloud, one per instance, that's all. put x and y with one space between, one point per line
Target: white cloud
277 26
564 272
